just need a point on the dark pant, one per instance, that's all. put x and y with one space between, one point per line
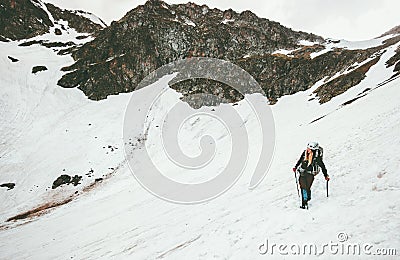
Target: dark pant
306 180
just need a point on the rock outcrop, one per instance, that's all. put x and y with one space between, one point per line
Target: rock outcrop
23 19
156 33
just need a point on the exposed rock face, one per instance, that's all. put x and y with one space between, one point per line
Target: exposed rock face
156 33
395 60
76 19
66 179
23 19
9 185
394 30
12 59
342 83
283 76
37 69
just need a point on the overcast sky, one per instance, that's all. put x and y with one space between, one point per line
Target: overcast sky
340 19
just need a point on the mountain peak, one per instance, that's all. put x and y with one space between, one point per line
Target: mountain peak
155 34
156 3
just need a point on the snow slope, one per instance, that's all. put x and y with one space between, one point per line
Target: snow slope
46 129
350 45
332 44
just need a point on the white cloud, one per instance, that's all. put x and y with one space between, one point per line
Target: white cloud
351 20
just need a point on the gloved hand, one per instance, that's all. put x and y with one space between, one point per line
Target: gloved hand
294 169
327 177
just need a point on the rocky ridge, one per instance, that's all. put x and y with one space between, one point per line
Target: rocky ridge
156 33
118 57
24 19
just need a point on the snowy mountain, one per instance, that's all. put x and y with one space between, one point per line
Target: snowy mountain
22 19
68 192
283 61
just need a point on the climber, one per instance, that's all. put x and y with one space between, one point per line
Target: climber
308 166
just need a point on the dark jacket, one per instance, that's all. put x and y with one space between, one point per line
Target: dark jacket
316 161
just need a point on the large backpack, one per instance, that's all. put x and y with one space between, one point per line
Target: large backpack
315 168
318 153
